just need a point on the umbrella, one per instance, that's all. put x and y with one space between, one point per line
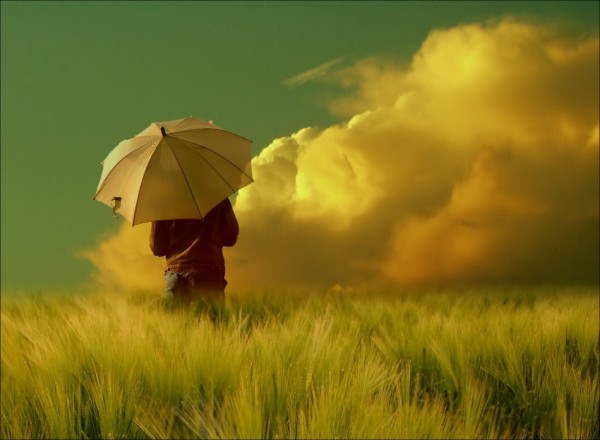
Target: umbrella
177 169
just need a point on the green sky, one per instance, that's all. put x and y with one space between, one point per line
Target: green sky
78 77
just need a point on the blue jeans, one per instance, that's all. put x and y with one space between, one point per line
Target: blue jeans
188 286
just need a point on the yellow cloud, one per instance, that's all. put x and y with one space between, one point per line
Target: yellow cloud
312 74
470 165
476 163
124 260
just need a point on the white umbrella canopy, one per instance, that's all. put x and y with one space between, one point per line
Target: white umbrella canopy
177 169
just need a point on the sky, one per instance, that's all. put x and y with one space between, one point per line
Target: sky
394 143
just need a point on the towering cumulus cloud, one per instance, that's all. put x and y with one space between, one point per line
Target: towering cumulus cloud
476 163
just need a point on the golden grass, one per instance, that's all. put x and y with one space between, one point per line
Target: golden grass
479 364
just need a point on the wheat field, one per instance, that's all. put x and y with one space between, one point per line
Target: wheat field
481 363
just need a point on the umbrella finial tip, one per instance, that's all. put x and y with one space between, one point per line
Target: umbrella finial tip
162 130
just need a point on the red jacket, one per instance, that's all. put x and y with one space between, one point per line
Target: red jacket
196 245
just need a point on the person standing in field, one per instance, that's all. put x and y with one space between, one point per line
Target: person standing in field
194 253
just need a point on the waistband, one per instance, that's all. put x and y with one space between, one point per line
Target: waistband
196 267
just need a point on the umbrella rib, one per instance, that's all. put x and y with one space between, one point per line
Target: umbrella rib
218 174
209 164
186 180
221 156
135 208
214 128
106 178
